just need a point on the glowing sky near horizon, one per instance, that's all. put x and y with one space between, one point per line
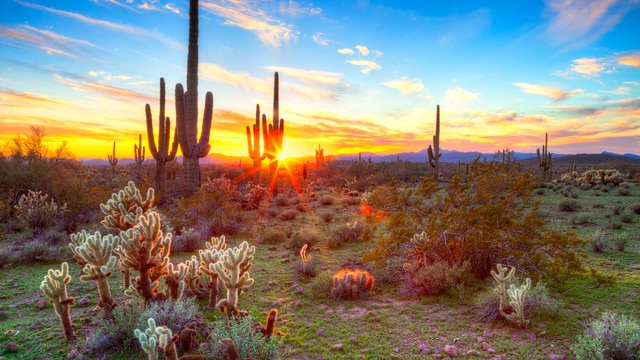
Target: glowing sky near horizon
355 76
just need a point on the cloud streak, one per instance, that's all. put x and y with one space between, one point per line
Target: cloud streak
366 66
404 85
630 60
553 92
47 41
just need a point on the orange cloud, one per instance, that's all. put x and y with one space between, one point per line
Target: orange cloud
243 80
363 50
588 66
84 84
13 99
630 60
48 41
345 51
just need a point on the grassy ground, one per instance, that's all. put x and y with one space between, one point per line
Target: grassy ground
387 324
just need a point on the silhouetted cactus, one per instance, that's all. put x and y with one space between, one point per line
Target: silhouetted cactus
319 157
434 153
544 159
254 151
113 160
161 153
187 112
138 151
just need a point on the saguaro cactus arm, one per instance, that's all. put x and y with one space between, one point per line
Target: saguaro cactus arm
113 160
138 151
161 152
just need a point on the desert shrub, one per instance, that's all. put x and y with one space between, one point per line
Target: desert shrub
598 241
326 216
250 344
635 208
295 200
436 278
569 205
189 240
494 212
254 195
616 226
38 250
538 302
273 212
626 217
604 189
271 236
581 219
351 201
327 200
171 313
116 336
624 191
288 214
617 209
351 284
348 231
37 212
281 200
585 187
539 191
321 286
301 208
612 336
620 241
5 255
307 235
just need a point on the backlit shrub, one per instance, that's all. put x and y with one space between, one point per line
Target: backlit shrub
612 336
37 211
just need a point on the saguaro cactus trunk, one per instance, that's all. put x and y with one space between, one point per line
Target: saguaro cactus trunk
544 159
254 151
187 112
434 153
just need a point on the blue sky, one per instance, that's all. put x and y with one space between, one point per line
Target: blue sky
354 75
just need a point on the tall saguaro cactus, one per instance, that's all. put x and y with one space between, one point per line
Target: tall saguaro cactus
544 158
434 153
138 151
254 151
187 112
319 157
113 160
274 133
161 153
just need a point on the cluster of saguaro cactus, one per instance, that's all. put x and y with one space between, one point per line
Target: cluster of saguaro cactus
233 269
138 151
544 158
187 112
351 283
113 160
506 290
96 252
319 157
434 152
162 153
54 286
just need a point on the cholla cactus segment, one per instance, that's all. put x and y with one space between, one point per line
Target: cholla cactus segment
351 283
420 240
146 249
193 278
54 286
517 297
96 251
233 270
167 341
148 339
208 257
125 207
503 278
216 243
174 281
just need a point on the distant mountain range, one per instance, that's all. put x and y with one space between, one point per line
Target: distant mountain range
419 156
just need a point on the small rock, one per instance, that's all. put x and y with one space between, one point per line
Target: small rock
397 350
40 304
471 353
263 299
298 290
12 347
487 347
375 319
480 339
83 301
338 347
487 333
36 325
272 248
424 349
321 332
553 356
72 354
3 314
285 261
451 350
531 336
296 302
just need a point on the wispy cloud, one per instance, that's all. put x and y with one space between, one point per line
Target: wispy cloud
25 100
578 23
405 85
367 66
172 8
459 95
148 6
295 8
245 15
345 51
85 84
588 66
319 38
310 76
130 29
630 59
553 92
242 80
47 41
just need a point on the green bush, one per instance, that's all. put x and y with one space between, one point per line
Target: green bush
437 278
250 344
617 209
624 191
38 212
189 240
116 336
348 232
326 216
307 235
288 214
598 241
612 336
626 217
620 241
321 286
569 205
581 219
635 208
281 200
271 236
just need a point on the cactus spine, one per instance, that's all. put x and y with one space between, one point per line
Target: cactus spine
187 112
544 159
319 157
254 151
161 153
113 160
96 252
54 286
434 153
138 151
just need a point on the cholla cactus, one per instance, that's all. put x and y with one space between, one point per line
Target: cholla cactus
146 249
54 286
38 213
167 342
148 339
96 252
306 259
517 297
351 283
193 278
233 270
215 247
174 281
503 278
